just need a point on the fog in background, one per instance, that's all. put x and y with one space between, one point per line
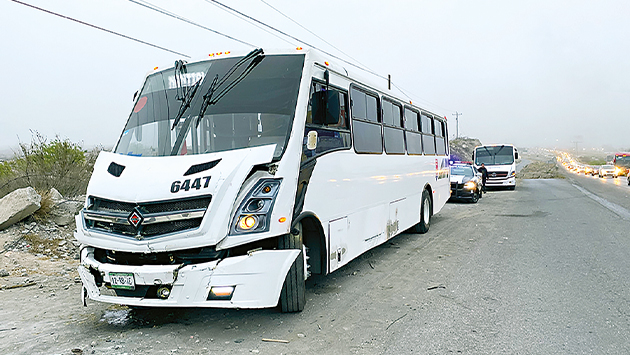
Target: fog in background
532 73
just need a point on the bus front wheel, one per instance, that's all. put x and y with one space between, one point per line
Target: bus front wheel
426 210
293 294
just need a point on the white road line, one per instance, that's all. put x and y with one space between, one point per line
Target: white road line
616 209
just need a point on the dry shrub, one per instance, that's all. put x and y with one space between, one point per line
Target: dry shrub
540 170
39 245
46 206
45 164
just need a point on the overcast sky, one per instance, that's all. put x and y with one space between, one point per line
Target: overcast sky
532 73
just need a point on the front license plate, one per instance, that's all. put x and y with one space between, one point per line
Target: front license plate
122 280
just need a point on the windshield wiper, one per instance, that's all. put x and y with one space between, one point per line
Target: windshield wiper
256 56
500 149
188 94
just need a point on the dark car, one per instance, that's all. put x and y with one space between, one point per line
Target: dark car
465 182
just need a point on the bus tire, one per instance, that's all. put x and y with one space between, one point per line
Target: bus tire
426 210
293 294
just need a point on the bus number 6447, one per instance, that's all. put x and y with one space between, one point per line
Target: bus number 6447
177 185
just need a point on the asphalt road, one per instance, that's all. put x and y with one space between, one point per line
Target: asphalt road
539 270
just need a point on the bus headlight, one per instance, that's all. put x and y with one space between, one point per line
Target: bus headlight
247 222
513 174
254 212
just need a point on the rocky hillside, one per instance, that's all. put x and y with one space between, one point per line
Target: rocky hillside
462 148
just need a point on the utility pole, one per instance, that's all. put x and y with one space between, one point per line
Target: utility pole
457 114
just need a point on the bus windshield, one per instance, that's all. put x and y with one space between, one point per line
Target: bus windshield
622 161
494 155
215 106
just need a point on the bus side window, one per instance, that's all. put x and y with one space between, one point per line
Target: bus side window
439 137
413 137
327 115
366 125
428 140
393 134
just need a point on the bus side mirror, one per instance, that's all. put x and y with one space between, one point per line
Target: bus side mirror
325 107
516 155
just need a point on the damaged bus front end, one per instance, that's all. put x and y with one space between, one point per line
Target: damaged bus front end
193 205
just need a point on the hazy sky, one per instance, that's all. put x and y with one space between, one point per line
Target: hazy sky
533 73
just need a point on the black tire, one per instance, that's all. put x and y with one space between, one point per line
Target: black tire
425 217
475 197
293 294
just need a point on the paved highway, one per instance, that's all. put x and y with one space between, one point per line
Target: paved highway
545 273
539 270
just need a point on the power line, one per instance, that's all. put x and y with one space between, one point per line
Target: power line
251 22
295 38
364 68
175 16
311 32
100 28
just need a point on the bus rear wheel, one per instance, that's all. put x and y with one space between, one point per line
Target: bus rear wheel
293 294
426 210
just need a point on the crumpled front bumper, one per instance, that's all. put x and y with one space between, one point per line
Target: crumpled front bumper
257 279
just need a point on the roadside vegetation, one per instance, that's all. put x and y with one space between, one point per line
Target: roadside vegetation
43 164
540 170
592 160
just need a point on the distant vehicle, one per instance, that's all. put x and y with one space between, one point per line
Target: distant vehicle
580 169
588 170
465 182
621 161
500 161
607 170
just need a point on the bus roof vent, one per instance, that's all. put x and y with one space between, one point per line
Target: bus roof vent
115 169
201 167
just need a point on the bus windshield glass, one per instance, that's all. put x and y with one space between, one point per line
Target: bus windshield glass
494 155
215 106
622 161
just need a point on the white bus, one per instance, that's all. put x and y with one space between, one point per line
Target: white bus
239 176
500 161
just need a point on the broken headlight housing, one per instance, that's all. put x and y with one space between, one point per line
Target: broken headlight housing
254 213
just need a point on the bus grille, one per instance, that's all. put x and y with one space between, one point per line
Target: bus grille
497 174
147 219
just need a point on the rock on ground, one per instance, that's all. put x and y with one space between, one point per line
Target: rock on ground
18 205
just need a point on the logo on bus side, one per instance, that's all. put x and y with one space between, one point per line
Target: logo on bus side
177 185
